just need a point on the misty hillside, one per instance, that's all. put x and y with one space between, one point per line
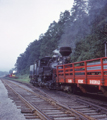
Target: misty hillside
2 74
84 29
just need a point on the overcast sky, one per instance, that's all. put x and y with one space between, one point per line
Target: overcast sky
21 22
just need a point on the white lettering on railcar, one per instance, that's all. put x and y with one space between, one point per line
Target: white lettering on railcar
95 82
80 81
69 80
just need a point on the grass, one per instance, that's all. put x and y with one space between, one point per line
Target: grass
23 78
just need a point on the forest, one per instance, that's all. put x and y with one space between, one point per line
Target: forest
83 28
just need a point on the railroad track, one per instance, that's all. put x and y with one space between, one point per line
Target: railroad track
95 109
89 108
35 106
42 107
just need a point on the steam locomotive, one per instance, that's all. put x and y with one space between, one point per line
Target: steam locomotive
43 71
57 72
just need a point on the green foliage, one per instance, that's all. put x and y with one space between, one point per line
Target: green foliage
50 39
28 57
88 48
84 29
23 78
91 46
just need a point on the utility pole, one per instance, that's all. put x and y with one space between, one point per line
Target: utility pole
105 42
105 48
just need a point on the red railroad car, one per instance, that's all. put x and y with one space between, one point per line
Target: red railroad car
88 76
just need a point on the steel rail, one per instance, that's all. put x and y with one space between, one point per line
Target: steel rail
92 105
34 109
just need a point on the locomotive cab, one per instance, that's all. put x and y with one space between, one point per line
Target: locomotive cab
40 64
39 76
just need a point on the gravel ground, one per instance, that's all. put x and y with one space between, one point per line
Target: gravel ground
8 110
59 96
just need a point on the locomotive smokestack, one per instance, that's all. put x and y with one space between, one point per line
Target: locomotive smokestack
65 51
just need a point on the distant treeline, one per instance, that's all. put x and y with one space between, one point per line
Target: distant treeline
3 73
84 29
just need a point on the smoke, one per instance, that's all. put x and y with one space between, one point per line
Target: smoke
80 25
56 51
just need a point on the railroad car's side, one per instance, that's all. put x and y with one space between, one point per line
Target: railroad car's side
88 76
